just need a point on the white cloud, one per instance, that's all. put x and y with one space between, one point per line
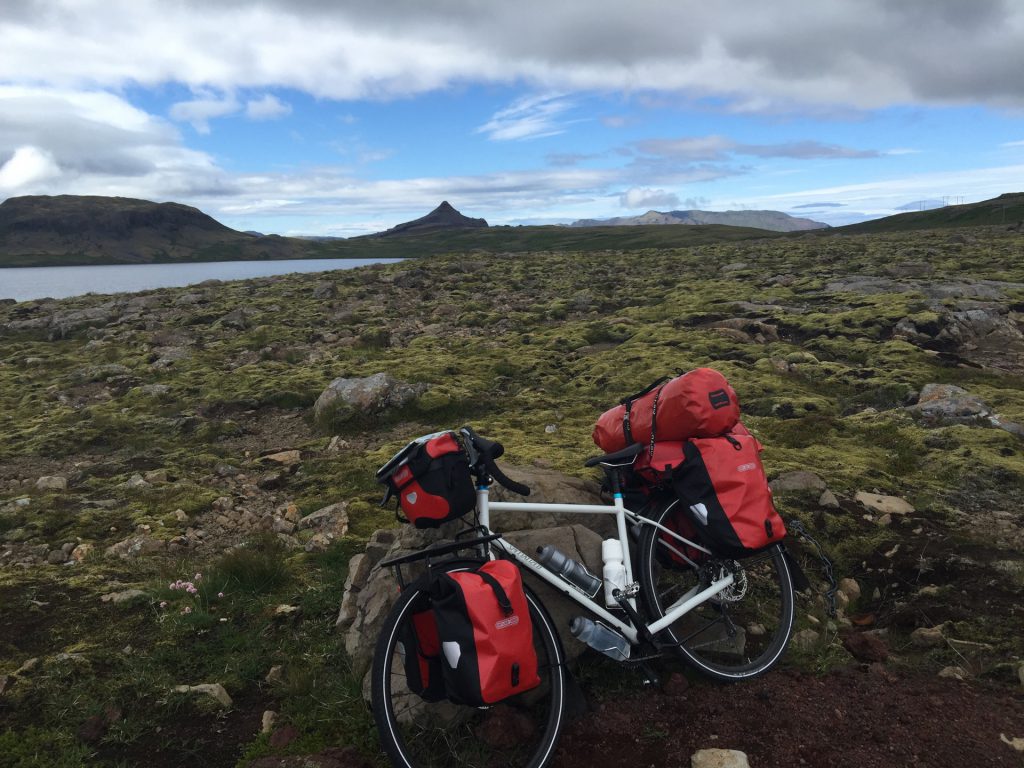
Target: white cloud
201 110
1012 144
861 55
26 166
689 148
648 198
886 196
530 117
87 142
268 107
721 147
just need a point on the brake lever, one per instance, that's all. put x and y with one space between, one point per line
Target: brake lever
471 449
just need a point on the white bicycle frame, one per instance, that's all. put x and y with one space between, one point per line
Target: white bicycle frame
684 604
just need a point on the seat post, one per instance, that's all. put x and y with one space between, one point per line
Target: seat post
614 479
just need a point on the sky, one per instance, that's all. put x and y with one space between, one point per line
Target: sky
343 117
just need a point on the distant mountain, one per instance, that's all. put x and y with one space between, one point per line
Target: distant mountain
444 217
774 221
1005 210
40 230
69 230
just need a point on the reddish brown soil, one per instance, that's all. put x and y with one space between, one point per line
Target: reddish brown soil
855 718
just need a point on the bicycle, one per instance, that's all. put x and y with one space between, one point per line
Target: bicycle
730 620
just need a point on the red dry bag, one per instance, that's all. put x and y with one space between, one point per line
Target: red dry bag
697 404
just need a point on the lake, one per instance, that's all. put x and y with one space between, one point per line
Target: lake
24 283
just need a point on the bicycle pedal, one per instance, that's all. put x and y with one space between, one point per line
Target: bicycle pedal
650 676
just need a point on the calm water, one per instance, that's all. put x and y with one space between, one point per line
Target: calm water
23 283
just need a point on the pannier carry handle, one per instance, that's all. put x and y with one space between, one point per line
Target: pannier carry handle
499 592
628 402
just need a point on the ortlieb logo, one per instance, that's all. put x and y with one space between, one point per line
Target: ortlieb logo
746 467
719 399
403 474
511 621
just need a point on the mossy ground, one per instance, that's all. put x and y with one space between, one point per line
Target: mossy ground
510 343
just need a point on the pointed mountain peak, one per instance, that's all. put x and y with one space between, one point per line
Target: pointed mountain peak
445 216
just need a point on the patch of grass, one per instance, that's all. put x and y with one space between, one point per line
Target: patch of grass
256 569
42 748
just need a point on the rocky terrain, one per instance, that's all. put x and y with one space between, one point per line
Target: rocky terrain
187 495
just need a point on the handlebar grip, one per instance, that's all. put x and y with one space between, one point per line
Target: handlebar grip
505 480
489 450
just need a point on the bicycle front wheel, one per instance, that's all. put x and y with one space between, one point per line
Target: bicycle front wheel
737 635
520 732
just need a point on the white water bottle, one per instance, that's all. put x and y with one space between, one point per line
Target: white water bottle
614 571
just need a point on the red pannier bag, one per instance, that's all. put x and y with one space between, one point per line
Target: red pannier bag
486 635
655 465
431 479
725 502
421 651
697 404
723 487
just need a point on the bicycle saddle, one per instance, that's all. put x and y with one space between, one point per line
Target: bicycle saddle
617 459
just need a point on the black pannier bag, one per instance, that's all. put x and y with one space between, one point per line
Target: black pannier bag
431 479
421 651
486 634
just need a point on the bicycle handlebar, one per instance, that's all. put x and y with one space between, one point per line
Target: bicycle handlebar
487 451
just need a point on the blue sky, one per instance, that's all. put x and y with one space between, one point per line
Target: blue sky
341 118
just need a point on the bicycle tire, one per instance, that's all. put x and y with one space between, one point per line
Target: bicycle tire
725 640
520 732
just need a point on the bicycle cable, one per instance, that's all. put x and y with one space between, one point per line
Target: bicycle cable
798 528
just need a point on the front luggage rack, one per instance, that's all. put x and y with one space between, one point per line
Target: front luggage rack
435 551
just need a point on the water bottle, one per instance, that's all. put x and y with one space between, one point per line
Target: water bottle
614 571
575 573
600 638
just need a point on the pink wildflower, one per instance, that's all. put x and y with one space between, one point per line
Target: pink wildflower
186 609
191 589
220 594
163 603
198 577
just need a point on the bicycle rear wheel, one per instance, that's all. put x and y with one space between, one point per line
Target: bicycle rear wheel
520 732
735 636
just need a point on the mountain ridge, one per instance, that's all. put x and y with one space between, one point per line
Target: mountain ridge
83 229
773 221
1005 210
